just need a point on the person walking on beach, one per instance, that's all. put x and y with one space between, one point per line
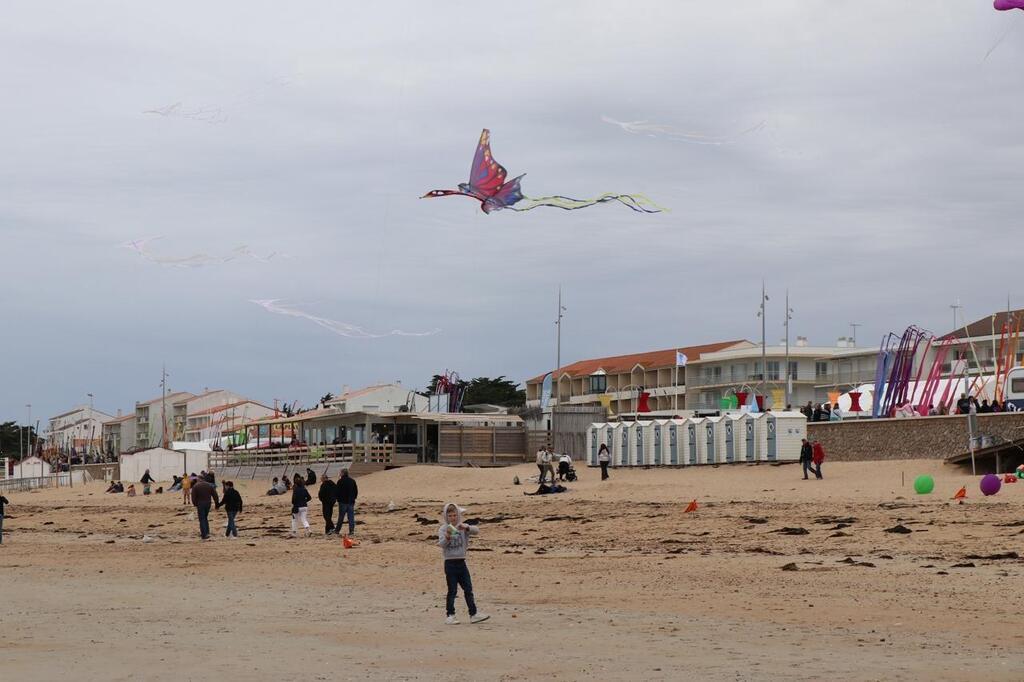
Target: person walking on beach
202 494
232 504
453 538
817 457
806 457
548 468
603 458
540 462
328 496
300 506
3 501
347 492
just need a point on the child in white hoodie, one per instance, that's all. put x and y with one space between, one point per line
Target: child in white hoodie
453 537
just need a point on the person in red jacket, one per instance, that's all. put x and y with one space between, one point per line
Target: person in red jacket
817 457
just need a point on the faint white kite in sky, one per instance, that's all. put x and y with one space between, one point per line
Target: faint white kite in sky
219 114
677 134
196 260
274 305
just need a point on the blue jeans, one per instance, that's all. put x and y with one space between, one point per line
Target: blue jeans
343 511
808 467
232 528
204 520
456 573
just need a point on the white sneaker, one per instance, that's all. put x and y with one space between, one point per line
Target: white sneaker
451 620
478 618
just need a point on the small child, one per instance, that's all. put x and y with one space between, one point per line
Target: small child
453 537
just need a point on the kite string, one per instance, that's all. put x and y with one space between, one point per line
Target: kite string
636 202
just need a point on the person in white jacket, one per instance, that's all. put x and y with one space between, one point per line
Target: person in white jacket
453 538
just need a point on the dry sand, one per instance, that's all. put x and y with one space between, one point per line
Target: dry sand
610 581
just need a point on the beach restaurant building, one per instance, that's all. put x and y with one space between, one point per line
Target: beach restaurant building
392 438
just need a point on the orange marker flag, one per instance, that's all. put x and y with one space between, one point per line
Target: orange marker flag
347 542
961 494
692 507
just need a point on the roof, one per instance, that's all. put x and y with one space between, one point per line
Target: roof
117 420
986 325
170 396
227 406
82 408
624 363
348 395
455 417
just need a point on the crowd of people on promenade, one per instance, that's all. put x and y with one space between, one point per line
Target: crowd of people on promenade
830 412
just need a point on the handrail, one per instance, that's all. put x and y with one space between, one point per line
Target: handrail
368 453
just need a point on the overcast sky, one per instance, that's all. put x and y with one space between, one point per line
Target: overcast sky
884 184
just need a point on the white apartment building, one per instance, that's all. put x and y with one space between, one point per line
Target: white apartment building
379 398
79 428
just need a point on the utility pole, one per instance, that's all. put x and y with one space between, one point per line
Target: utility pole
789 379
853 326
955 306
28 432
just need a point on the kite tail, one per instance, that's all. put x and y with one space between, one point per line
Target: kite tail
636 202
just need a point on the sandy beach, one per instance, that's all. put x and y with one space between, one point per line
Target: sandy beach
772 578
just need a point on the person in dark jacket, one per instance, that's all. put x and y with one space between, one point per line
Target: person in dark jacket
146 478
347 491
310 477
232 503
806 454
300 506
328 495
3 501
202 494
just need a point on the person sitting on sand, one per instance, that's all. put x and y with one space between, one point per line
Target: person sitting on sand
131 490
112 488
310 477
159 491
287 483
275 487
175 484
146 490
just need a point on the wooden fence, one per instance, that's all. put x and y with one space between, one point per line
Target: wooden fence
482 445
350 453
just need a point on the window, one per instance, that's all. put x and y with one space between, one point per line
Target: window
598 383
773 370
738 372
1017 385
820 369
792 369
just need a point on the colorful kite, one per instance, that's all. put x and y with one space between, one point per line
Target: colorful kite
487 185
1004 5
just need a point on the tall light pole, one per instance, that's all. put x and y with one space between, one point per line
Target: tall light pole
558 359
764 349
789 379
955 306
28 433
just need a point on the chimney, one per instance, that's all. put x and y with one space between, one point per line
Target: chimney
801 341
841 342
119 412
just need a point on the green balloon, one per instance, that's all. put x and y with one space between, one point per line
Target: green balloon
924 484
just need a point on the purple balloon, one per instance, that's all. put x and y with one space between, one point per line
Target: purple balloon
1003 5
990 484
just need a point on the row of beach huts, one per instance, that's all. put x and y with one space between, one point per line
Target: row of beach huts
732 438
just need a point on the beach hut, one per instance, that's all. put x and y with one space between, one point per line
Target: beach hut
675 437
637 431
732 428
785 431
713 440
595 436
659 442
619 444
754 445
694 441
